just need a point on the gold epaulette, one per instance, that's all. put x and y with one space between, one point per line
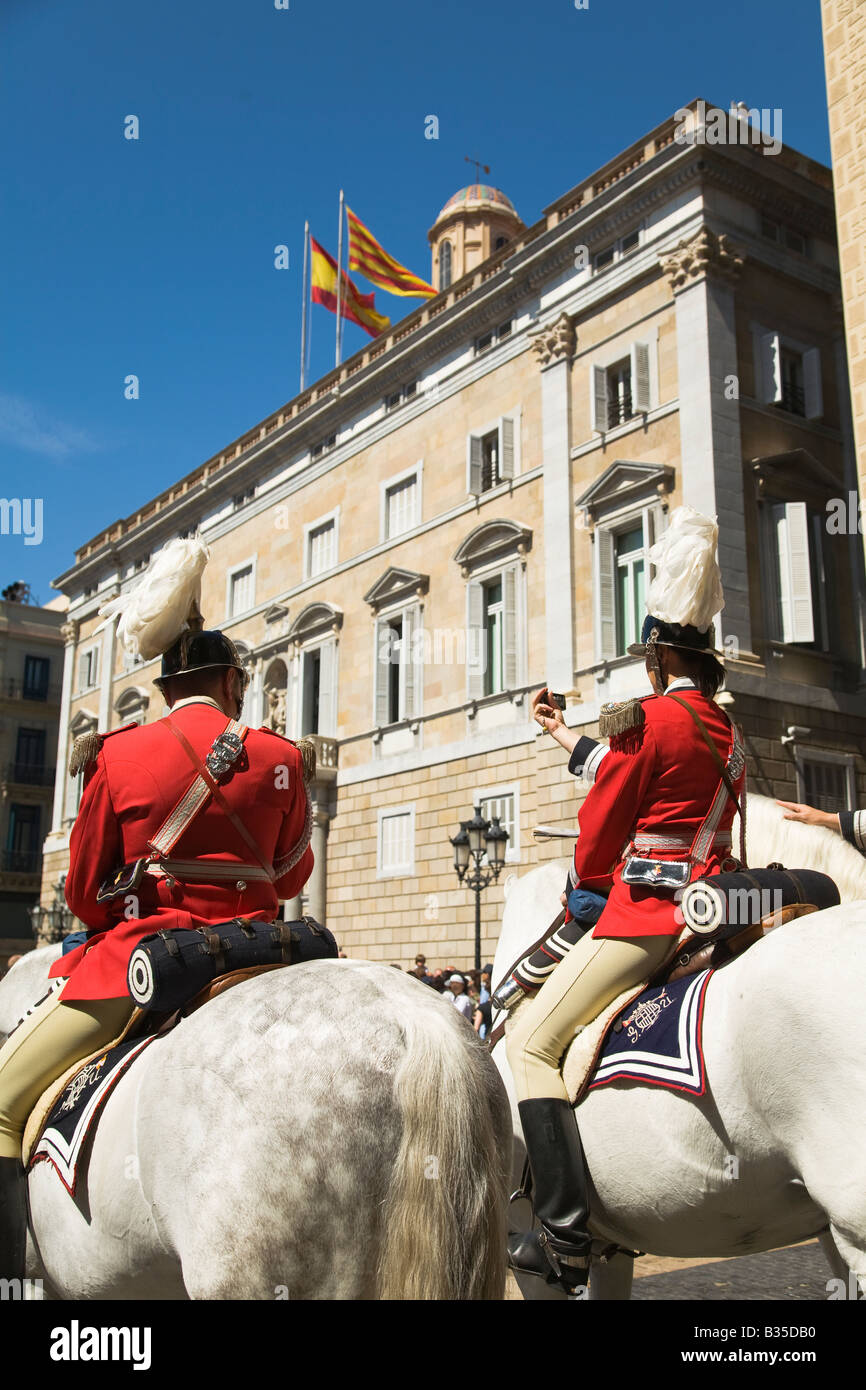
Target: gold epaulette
622 723
307 750
84 750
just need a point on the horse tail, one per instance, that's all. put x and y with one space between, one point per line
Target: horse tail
444 1221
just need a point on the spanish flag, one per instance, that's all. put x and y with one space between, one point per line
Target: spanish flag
366 255
353 305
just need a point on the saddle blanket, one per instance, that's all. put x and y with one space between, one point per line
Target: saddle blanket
72 1118
658 1039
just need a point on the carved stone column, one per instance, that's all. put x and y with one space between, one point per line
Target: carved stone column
703 270
554 344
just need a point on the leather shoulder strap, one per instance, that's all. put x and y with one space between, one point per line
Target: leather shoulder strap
712 747
204 775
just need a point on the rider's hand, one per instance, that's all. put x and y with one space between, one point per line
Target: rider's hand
809 815
547 715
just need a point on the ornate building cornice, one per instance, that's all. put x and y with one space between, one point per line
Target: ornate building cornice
700 255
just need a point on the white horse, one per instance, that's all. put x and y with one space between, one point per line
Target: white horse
330 1131
775 1152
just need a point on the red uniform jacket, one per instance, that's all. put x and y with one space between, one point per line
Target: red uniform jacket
137 779
664 787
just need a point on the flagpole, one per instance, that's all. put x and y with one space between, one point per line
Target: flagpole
339 280
304 307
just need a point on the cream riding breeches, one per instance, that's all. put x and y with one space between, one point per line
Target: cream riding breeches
43 1047
593 973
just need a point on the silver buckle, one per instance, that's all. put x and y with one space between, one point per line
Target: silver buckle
226 748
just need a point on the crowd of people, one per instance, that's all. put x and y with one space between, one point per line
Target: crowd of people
469 990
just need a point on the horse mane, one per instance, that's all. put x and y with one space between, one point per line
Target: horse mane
769 838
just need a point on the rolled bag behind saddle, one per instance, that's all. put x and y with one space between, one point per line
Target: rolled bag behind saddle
169 968
743 899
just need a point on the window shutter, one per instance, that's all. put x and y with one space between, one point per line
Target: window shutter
812 384
474 482
327 684
409 672
640 377
822 637
606 595
82 671
599 399
795 577
509 636
382 667
771 369
506 448
476 646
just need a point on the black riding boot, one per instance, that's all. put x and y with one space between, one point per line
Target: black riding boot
13 1219
559 1252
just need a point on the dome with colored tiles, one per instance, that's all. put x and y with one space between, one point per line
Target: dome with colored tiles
478 195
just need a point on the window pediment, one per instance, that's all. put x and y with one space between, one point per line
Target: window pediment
317 619
133 700
794 476
491 541
624 482
396 586
276 613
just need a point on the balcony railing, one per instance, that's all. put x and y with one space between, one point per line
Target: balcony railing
30 774
11 689
20 861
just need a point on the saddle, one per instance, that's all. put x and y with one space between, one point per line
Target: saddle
144 1025
171 975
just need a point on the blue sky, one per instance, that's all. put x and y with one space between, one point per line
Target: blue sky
155 257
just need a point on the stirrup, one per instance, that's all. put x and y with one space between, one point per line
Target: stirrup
562 1262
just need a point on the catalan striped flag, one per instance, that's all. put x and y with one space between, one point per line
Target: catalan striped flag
360 308
366 255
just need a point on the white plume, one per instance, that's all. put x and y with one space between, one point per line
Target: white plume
687 585
154 612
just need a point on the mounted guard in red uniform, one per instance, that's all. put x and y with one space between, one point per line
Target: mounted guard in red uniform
189 821
658 816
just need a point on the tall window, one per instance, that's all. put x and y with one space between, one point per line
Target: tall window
793 392
619 394
630 587
401 506
310 696
503 803
794 560
321 548
30 756
445 265
88 668
825 785
399 668
36 673
494 624
241 591
788 374
22 839
396 841
621 390
492 456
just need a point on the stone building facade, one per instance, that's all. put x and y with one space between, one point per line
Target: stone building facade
844 24
462 512
31 665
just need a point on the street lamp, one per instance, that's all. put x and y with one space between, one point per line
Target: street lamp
475 838
51 924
